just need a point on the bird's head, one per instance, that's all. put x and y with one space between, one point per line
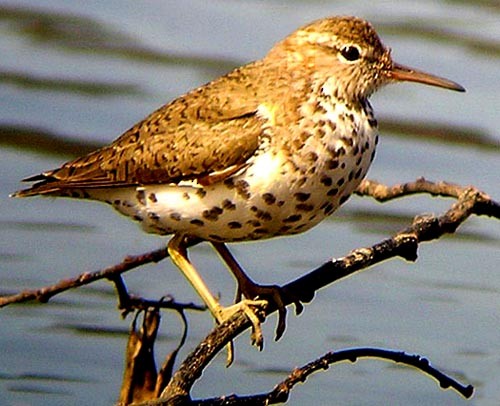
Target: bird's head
347 57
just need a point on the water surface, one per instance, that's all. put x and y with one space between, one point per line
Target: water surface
75 75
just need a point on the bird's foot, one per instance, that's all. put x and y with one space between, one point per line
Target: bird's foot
273 294
246 306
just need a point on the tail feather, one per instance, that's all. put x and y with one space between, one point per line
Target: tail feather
50 185
45 186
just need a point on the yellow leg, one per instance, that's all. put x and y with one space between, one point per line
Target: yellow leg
248 288
178 254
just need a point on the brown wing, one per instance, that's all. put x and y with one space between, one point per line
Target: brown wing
211 129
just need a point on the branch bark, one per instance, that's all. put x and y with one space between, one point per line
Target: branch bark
112 273
281 392
404 244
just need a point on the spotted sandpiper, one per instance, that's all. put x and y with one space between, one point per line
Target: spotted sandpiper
270 149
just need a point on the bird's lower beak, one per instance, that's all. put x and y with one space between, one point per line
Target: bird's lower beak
404 73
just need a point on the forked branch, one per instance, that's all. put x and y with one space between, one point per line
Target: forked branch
404 244
475 201
281 392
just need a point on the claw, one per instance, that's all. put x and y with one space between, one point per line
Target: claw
276 295
299 307
245 306
250 290
256 338
230 353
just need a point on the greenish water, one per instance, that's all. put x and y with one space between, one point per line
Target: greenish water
75 75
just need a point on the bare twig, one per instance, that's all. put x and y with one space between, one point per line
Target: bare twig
383 193
128 302
129 263
482 205
44 294
281 392
403 244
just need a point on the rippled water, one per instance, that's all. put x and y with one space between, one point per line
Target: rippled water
74 75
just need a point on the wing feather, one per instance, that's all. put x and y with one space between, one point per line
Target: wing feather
209 130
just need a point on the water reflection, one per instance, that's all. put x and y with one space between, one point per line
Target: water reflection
44 377
432 31
385 222
91 330
492 5
42 384
441 132
45 226
86 35
93 88
42 142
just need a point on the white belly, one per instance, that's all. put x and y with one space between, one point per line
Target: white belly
272 196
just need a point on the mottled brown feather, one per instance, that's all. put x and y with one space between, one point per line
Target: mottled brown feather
210 129
216 126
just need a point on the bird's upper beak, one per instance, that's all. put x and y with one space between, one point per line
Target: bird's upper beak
404 73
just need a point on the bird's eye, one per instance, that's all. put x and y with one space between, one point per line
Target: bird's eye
350 53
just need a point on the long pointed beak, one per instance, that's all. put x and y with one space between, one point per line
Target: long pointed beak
404 73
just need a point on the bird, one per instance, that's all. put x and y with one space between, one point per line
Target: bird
270 149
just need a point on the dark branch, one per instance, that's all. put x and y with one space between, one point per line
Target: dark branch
281 392
481 203
128 302
129 263
44 294
403 244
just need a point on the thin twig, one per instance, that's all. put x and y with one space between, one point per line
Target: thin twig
403 244
382 193
482 206
45 293
129 263
128 302
281 392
